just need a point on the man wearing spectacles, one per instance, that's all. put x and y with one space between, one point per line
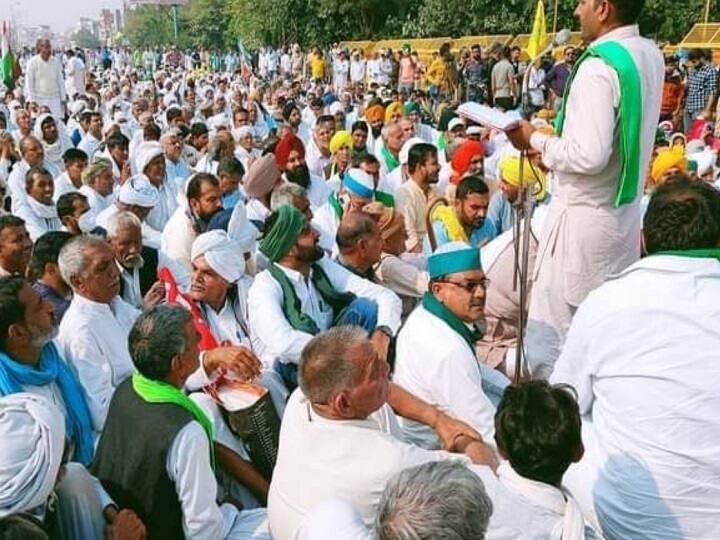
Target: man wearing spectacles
436 359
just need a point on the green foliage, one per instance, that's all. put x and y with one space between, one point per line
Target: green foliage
86 39
219 23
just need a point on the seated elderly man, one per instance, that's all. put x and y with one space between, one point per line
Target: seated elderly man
139 196
93 332
360 244
357 191
435 355
641 353
438 499
150 161
33 155
38 211
98 184
138 264
294 195
36 381
339 438
53 138
302 293
177 169
166 478
75 214
464 221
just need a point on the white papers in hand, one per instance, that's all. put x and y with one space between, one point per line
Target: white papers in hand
488 116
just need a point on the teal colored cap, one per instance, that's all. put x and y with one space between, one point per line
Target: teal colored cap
453 258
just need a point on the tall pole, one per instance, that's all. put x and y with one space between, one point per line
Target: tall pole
175 21
707 11
555 19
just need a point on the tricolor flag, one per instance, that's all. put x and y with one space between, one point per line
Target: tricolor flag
539 37
9 67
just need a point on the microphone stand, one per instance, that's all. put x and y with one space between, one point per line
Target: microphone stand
523 208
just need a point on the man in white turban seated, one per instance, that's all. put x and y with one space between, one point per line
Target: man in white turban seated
33 466
139 196
435 355
219 287
303 293
150 161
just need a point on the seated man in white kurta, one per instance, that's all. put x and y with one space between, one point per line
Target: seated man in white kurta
642 355
435 356
303 293
538 435
339 438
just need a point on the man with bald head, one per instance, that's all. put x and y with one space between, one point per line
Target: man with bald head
33 155
360 244
44 82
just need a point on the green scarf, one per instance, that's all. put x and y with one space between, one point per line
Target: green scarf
434 306
385 198
442 142
392 161
631 113
292 309
333 200
161 392
709 253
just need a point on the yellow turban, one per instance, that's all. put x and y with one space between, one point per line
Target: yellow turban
375 113
510 173
340 139
668 159
394 108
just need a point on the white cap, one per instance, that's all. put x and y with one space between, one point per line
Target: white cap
405 150
455 122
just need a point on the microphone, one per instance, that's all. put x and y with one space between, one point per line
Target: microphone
561 38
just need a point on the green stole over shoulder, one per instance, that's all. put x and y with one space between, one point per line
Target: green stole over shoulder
709 253
152 391
631 113
291 307
434 306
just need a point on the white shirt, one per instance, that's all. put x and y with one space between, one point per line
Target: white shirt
434 363
326 221
188 466
166 206
63 185
39 218
321 459
75 72
318 191
178 237
89 144
357 71
642 355
316 162
271 333
97 202
44 79
16 182
93 338
150 237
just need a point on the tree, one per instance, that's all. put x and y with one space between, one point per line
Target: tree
86 39
149 26
205 23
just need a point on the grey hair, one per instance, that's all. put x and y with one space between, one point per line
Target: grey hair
386 131
172 132
442 500
120 221
325 366
72 260
157 337
97 166
284 194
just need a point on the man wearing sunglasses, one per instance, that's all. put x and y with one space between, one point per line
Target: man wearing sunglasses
436 359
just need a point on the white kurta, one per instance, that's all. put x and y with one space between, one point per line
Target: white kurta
39 218
93 338
316 162
642 356
89 144
434 363
44 83
166 206
273 337
326 221
16 182
321 459
586 238
177 238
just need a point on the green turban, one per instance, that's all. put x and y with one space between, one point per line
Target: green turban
412 107
285 231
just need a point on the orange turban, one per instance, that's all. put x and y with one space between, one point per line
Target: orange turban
463 158
376 113
286 145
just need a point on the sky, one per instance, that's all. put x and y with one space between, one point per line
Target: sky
61 15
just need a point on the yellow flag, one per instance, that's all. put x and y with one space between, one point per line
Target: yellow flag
539 37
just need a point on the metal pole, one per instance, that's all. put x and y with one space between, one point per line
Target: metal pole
707 11
555 18
175 22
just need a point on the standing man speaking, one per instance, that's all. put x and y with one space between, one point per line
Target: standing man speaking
45 84
605 132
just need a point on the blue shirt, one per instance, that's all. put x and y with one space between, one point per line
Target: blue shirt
477 238
500 213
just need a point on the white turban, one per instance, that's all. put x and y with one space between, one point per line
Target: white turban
336 107
222 253
139 191
32 430
146 152
242 132
405 150
241 230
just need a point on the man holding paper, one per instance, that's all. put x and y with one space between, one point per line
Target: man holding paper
605 132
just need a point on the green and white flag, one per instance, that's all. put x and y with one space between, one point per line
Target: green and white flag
8 62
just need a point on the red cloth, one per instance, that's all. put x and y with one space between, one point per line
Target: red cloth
176 298
286 145
462 158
